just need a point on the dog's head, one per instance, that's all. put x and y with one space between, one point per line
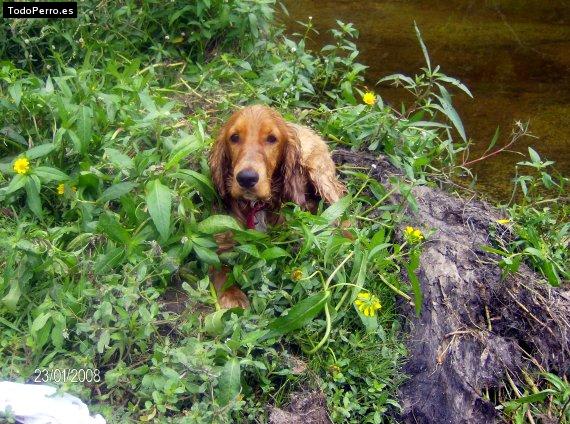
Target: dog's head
257 157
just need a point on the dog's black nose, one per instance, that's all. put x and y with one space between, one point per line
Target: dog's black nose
247 178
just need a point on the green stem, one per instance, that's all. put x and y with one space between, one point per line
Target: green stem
343 298
360 190
395 289
326 286
327 331
341 301
247 84
327 312
371 208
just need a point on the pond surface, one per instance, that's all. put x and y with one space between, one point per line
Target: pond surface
514 55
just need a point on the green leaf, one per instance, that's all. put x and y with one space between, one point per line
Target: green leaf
103 342
535 397
299 315
448 110
415 282
84 128
493 140
335 210
206 255
456 83
359 270
109 259
215 224
229 383
377 249
547 180
15 91
20 279
250 249
422 44
17 183
556 381
183 148
159 202
490 249
39 322
88 180
550 273
75 140
120 160
57 335
40 151
253 25
47 174
273 253
33 195
534 157
13 135
111 227
10 325
370 323
213 323
200 182
178 13
116 191
49 85
535 252
147 101
13 296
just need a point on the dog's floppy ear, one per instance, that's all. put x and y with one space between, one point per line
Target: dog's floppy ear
293 174
220 165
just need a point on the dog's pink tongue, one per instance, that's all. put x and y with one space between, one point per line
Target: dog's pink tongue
250 219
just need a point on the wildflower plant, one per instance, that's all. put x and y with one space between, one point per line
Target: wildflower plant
539 221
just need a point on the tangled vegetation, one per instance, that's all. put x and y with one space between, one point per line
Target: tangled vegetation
106 203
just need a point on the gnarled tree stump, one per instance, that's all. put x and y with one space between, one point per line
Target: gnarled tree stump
475 325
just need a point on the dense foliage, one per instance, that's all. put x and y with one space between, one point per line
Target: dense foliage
107 203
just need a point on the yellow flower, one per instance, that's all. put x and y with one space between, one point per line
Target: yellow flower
61 189
503 221
21 165
367 303
297 274
334 369
413 235
369 98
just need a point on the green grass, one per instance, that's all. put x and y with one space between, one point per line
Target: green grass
121 123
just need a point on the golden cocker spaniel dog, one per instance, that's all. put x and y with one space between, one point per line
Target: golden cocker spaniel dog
260 161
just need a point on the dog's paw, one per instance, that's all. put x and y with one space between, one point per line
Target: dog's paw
233 297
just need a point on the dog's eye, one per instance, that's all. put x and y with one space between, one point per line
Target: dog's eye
234 138
271 139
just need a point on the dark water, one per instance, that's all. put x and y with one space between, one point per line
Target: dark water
514 55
